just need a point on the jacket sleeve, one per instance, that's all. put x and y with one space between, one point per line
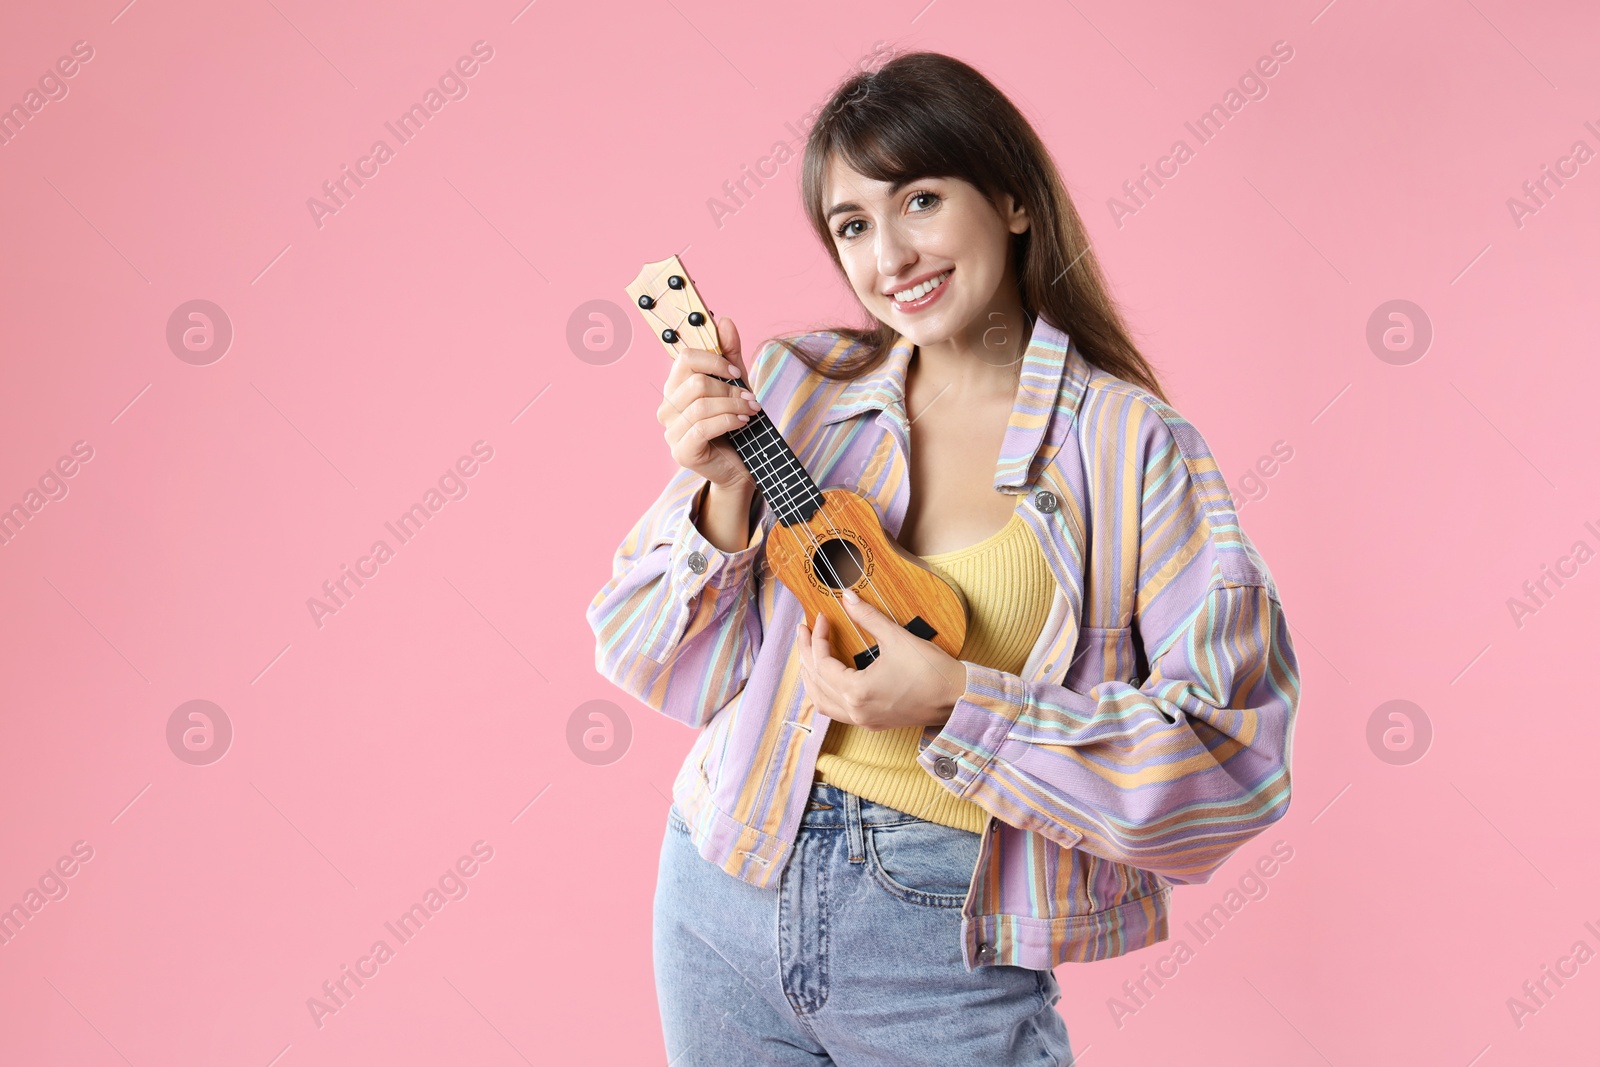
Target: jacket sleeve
678 624
1171 774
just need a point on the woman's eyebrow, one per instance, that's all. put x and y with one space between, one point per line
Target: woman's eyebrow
893 189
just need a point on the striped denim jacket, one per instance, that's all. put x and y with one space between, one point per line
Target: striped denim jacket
1149 734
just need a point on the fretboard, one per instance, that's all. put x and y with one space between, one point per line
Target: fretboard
788 489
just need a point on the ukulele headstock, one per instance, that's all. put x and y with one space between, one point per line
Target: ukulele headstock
665 296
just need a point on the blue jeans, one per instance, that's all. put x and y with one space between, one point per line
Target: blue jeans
853 959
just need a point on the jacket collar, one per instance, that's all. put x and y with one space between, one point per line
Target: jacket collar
1052 382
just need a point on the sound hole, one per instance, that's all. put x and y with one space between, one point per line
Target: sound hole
838 564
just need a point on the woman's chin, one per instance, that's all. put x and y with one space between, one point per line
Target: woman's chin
930 328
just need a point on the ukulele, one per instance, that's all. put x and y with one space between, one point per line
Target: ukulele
824 540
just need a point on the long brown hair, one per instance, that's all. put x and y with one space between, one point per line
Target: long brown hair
925 115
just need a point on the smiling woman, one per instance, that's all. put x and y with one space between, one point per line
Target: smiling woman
883 861
876 164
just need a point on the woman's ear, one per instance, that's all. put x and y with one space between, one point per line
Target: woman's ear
1016 216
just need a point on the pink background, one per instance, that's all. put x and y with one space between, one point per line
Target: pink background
434 709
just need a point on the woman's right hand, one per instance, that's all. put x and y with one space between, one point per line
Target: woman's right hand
699 409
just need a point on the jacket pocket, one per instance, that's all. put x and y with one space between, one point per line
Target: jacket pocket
1104 654
1101 886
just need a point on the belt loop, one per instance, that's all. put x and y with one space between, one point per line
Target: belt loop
852 825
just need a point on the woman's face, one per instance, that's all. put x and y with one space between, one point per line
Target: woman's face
940 230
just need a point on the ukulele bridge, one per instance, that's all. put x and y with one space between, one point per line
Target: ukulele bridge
918 626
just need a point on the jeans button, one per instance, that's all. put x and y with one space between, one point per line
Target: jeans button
944 767
697 562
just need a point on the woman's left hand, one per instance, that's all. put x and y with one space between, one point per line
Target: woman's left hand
913 682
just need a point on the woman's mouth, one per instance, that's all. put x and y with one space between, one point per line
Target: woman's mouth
920 296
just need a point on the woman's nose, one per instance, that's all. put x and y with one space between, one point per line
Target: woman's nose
895 251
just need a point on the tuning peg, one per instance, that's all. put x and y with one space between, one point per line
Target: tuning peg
646 302
670 336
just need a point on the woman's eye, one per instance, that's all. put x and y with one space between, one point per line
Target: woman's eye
845 232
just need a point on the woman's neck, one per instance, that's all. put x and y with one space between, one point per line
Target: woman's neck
982 361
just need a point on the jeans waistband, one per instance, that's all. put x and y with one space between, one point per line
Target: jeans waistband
828 805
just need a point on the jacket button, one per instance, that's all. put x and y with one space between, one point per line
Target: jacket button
985 952
944 767
1045 500
697 562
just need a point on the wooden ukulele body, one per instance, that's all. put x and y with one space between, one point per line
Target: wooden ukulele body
844 545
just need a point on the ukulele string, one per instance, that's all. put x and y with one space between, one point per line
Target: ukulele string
817 553
791 459
881 603
771 470
840 582
794 513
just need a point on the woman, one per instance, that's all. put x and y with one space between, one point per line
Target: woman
882 866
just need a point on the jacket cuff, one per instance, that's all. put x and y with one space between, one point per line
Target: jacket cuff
693 563
970 739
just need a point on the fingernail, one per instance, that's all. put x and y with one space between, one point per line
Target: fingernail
850 595
733 372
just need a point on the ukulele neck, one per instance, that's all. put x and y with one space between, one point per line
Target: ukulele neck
679 318
782 478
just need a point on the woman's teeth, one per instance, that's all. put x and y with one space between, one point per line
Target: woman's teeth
917 292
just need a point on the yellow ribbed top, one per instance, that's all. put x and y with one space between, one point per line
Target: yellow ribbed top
1008 586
